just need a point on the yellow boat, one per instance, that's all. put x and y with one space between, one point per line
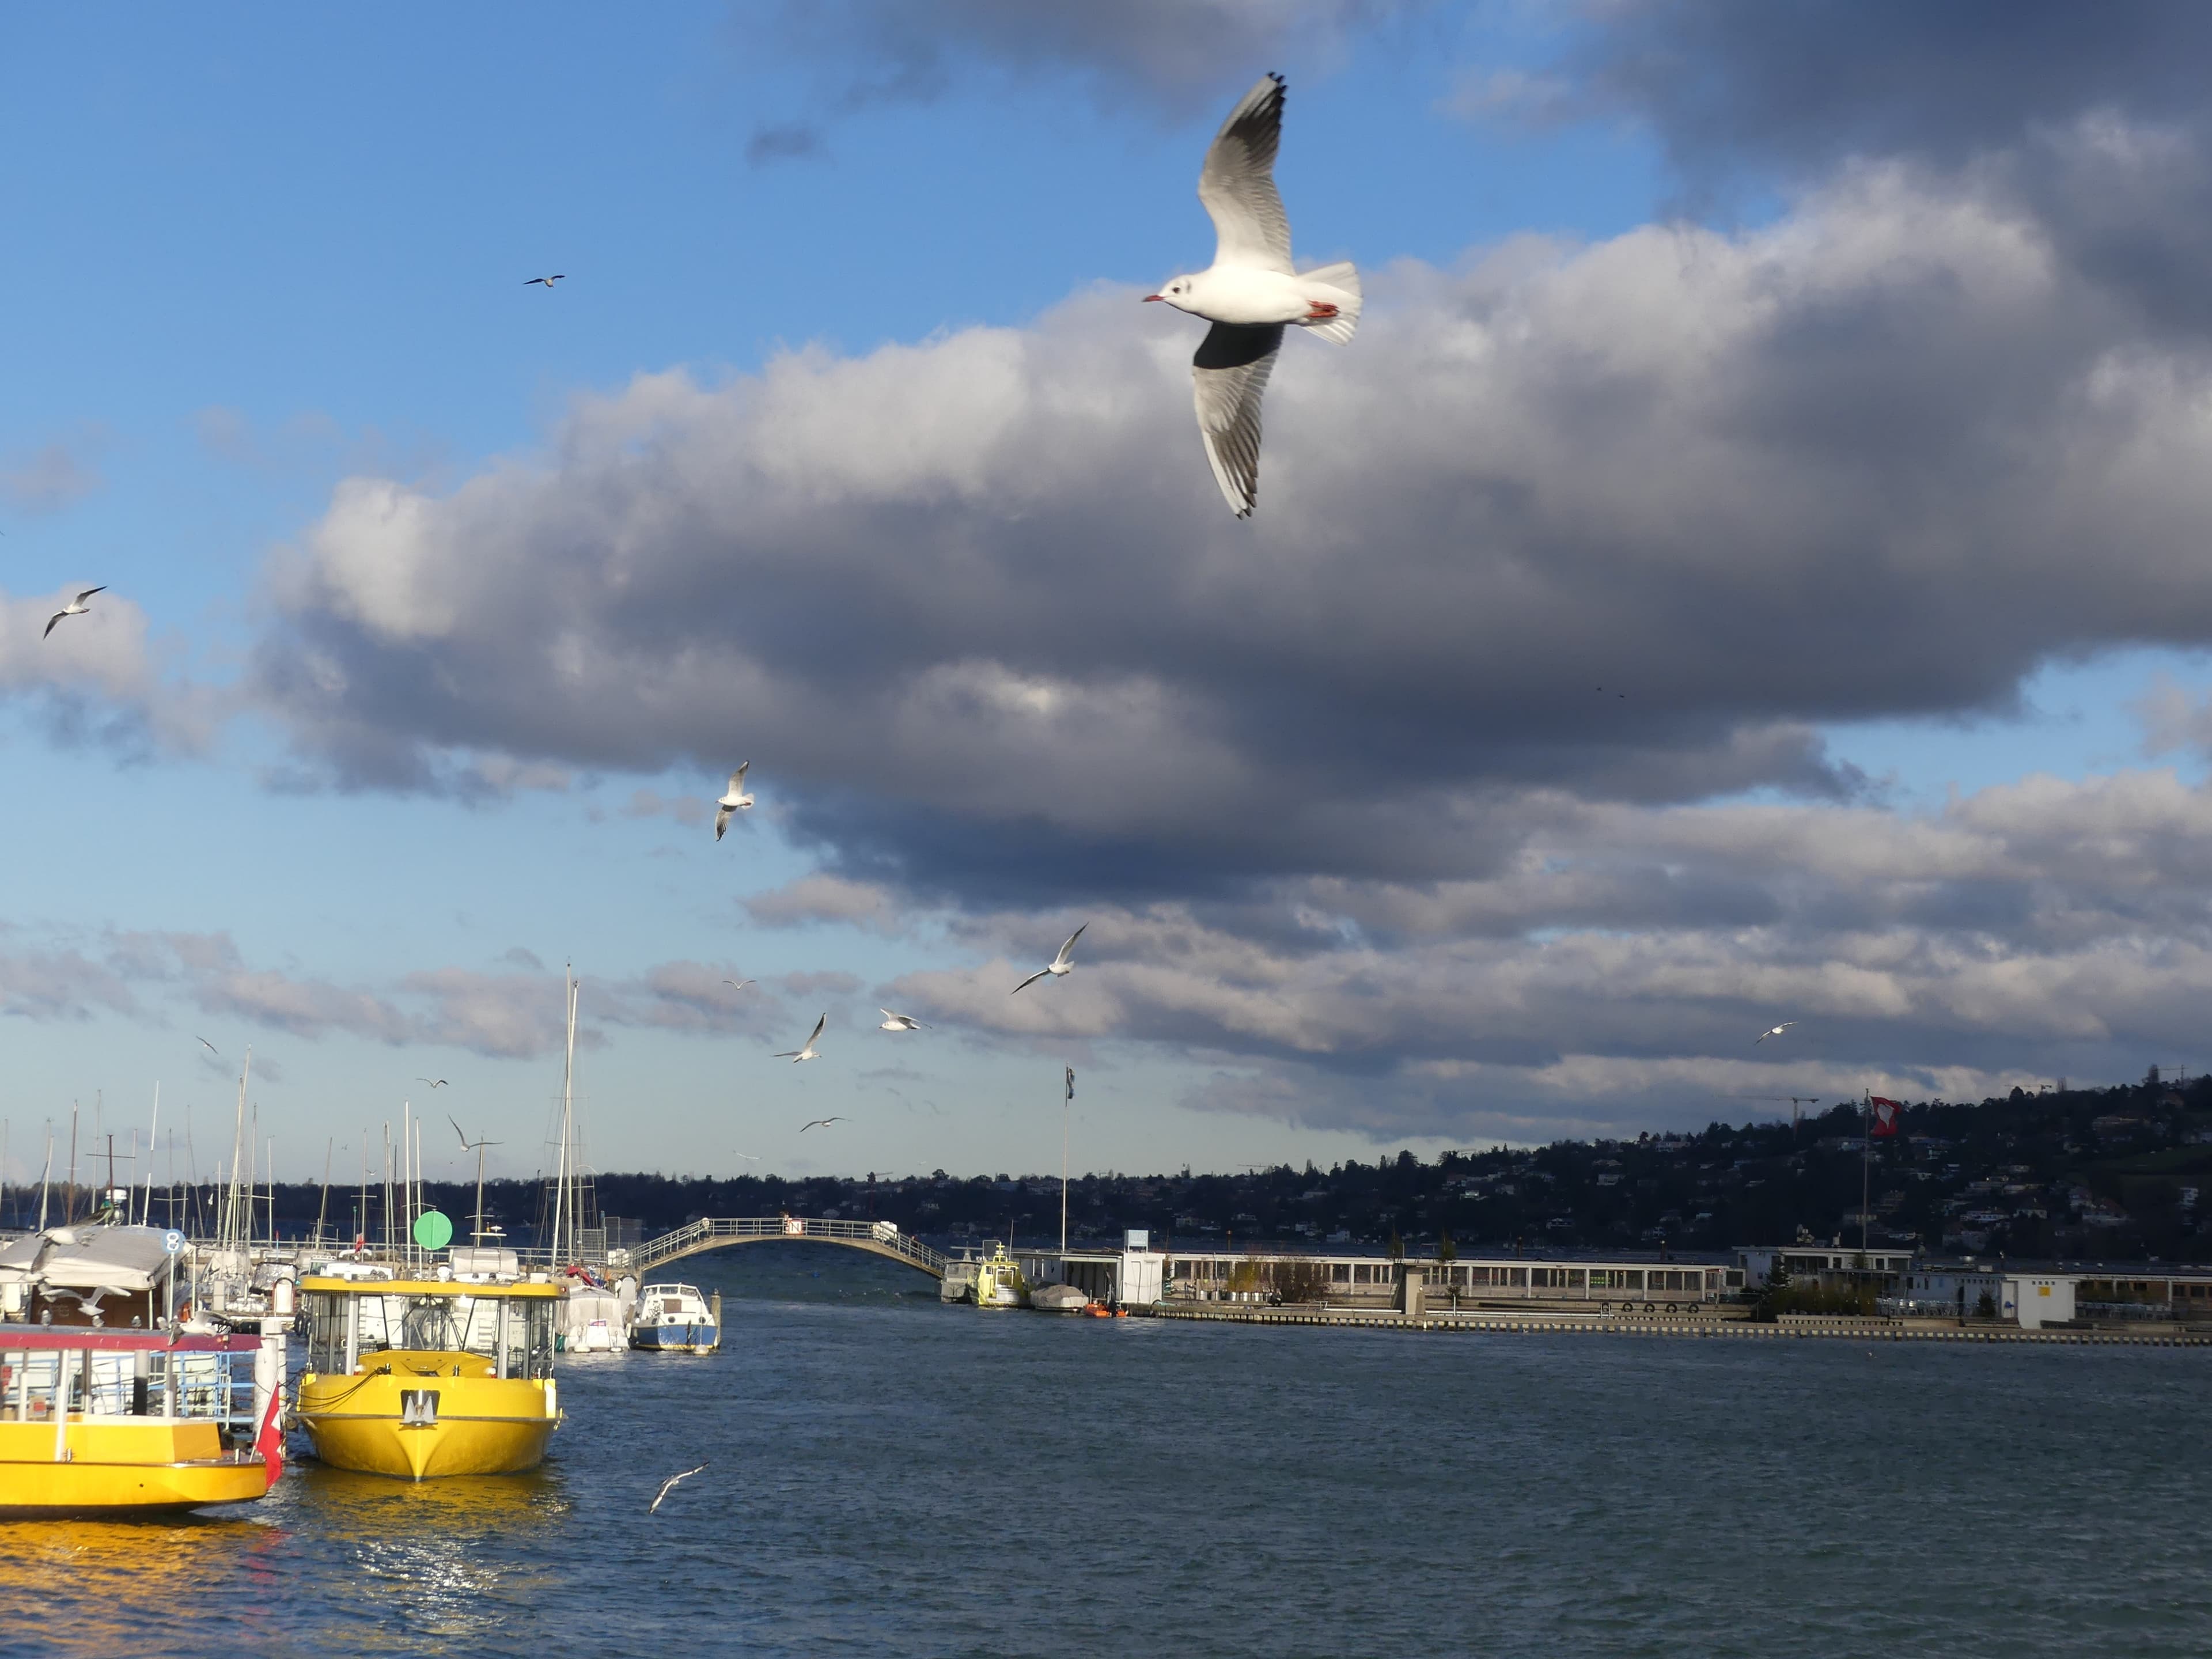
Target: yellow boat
108 1423
420 1378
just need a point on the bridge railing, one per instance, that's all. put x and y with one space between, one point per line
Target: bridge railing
706 1233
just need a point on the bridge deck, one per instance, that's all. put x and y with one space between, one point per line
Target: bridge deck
712 1233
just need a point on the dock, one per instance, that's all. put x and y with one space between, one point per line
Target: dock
1534 1324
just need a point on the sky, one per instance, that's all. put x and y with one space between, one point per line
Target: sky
1754 563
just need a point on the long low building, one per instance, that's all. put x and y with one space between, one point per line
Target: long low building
1368 1281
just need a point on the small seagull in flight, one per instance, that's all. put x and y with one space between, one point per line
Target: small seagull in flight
1777 1032
794 1056
210 1047
1059 967
739 984
749 1158
900 1021
76 607
1251 291
735 798
559 277
670 1485
435 1081
819 1123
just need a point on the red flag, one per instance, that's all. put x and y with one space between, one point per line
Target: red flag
1886 1113
270 1442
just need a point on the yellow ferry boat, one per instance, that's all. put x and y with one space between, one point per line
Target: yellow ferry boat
424 1377
120 1423
107 1407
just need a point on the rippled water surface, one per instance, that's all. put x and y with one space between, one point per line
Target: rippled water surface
886 1476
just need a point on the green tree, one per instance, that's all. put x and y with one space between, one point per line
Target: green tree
1397 1246
1446 1250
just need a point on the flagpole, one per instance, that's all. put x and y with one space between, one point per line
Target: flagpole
1866 1167
1067 1099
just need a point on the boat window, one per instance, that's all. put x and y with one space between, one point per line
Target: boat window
529 1338
325 1318
430 1327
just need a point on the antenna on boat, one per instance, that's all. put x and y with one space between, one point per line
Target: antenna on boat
477 1148
46 1175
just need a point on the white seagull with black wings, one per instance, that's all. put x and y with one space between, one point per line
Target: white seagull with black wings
1251 291
1060 967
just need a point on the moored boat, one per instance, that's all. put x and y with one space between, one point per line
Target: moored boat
123 1423
421 1378
676 1317
108 1406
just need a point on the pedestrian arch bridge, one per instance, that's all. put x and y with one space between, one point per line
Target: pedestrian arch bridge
876 1237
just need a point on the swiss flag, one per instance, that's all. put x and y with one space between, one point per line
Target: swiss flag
270 1442
1885 1117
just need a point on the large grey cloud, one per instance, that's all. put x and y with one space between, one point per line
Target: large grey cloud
1175 53
1621 963
1799 83
969 610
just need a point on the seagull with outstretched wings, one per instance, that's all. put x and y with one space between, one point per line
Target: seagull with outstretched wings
1060 967
794 1056
1251 291
76 607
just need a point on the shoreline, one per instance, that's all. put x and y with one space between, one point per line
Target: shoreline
1870 1330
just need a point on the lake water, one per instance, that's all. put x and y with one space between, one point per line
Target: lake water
886 1476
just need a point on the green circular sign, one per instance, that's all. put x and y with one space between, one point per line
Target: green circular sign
432 1230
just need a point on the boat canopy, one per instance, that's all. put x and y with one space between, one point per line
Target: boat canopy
347 1321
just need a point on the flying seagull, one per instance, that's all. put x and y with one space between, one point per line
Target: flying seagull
558 276
739 984
1251 293
735 798
1777 1032
794 1056
435 1081
819 1123
76 607
749 1158
1059 967
670 1485
900 1021
210 1047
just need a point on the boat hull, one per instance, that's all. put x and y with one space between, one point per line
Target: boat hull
676 1339
122 1467
379 1423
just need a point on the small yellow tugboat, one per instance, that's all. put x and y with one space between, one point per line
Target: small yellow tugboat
424 1377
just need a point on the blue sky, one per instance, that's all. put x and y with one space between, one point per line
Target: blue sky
257 253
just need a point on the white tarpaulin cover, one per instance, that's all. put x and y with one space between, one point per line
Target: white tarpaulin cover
125 1259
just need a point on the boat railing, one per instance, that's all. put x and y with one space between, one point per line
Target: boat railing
95 1372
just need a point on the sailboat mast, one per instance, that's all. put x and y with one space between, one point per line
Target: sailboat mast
560 1196
153 1139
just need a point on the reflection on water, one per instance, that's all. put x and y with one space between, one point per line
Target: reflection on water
119 1586
436 1561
